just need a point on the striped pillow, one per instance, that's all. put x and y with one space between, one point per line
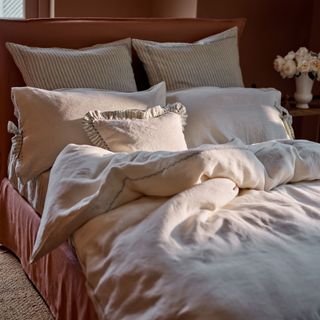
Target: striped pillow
213 61
104 66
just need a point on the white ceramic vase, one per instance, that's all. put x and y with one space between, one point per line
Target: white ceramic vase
303 94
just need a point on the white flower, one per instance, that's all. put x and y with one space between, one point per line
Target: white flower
304 66
290 56
302 51
314 64
278 63
289 69
283 75
297 62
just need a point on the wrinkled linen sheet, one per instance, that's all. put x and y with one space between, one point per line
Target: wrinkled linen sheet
217 232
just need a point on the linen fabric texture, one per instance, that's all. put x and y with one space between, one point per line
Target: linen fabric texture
208 228
212 61
102 66
219 115
49 120
136 130
115 179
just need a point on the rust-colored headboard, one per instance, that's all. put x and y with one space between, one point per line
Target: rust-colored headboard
76 33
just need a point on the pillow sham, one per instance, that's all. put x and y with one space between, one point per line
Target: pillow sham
213 61
154 129
103 66
217 115
49 120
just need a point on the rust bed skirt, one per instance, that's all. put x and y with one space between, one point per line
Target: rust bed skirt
57 276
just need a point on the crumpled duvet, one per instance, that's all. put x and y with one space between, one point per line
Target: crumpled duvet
217 232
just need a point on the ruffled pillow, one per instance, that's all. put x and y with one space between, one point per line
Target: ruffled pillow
154 129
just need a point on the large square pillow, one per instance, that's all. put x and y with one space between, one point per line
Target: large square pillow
213 61
103 66
217 115
49 120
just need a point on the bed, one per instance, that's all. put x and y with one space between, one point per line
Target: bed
198 231
58 277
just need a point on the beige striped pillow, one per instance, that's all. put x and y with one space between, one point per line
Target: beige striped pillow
213 61
104 66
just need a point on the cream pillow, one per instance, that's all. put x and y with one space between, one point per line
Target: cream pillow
213 61
104 66
136 130
217 115
49 120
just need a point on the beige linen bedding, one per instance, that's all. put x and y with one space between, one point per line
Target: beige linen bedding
218 232
34 190
56 116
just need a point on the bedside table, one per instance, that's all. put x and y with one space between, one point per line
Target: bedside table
306 122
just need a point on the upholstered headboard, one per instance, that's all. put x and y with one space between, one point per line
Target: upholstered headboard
76 33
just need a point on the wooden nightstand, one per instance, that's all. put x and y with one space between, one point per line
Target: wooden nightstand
306 122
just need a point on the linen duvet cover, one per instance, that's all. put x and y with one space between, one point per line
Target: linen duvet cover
216 232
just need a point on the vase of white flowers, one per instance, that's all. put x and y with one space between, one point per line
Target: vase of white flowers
304 65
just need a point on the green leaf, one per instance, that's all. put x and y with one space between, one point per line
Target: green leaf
311 75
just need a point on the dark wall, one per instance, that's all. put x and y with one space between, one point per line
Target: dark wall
103 8
174 8
315 37
125 8
273 27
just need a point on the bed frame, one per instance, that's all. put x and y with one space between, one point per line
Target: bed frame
58 276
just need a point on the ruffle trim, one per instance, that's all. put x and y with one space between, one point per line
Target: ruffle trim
92 117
